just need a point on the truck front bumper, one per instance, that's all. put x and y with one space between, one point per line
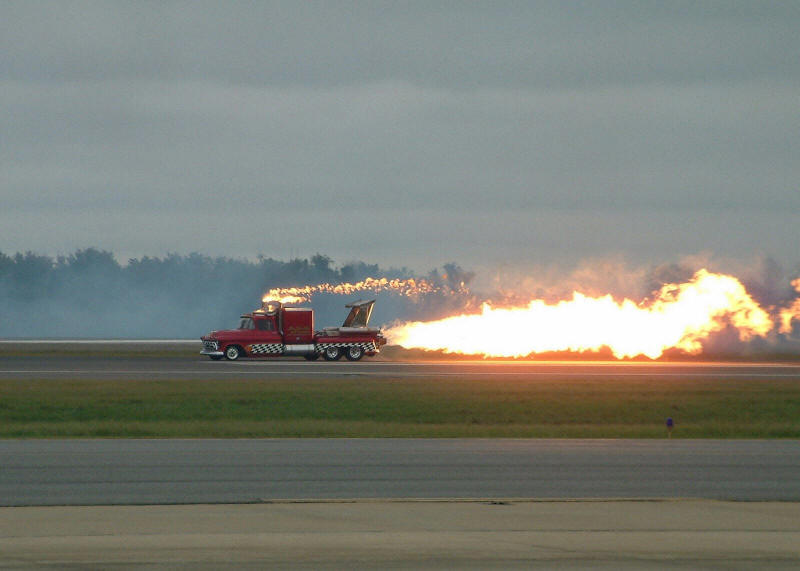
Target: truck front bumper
212 353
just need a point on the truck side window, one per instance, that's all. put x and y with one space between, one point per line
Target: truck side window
265 325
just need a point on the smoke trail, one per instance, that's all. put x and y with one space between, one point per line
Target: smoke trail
791 313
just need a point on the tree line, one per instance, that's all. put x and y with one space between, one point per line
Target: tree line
90 294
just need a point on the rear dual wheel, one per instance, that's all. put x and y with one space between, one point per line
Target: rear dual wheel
332 353
354 353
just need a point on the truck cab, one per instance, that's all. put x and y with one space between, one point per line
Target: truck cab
257 334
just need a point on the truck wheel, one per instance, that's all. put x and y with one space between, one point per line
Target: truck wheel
311 356
354 353
332 353
233 352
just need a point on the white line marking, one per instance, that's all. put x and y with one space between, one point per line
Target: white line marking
352 372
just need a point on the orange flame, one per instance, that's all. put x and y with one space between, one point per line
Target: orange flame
680 316
791 313
286 299
409 287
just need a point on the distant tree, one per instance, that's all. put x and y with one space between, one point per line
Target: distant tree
89 260
6 264
31 276
455 277
89 294
321 263
357 271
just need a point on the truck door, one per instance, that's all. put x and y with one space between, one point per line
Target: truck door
265 329
267 339
258 336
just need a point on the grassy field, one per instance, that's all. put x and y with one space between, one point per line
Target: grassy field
608 408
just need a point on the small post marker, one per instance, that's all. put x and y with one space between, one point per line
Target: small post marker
670 425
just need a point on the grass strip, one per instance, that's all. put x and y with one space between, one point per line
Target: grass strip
607 408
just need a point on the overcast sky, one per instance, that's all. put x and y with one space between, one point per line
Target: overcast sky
404 133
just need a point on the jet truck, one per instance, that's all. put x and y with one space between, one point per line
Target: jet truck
275 330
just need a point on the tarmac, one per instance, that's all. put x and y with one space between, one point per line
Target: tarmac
33 361
480 534
181 471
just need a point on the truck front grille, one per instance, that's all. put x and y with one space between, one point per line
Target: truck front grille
210 345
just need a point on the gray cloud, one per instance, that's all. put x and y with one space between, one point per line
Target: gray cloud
411 133
442 44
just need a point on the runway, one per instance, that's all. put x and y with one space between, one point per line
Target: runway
56 366
180 359
97 472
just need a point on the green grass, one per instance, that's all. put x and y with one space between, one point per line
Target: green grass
608 408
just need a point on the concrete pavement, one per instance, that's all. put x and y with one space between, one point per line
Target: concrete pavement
407 535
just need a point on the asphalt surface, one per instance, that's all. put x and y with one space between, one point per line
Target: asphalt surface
94 472
180 359
44 366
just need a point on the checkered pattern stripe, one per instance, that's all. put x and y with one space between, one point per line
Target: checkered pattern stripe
366 345
266 348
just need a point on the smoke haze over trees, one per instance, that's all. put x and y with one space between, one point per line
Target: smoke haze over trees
89 294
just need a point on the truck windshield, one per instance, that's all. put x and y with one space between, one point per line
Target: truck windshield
246 323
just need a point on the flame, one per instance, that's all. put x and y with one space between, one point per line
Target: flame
286 299
409 287
791 313
680 316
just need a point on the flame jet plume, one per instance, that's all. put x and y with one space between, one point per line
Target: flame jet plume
680 316
409 287
791 313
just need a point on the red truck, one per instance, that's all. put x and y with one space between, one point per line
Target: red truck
276 330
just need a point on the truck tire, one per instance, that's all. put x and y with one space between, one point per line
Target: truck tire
233 352
332 353
354 353
311 356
